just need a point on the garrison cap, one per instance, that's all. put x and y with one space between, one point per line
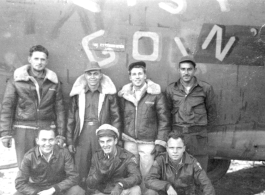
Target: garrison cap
92 66
188 58
139 63
107 130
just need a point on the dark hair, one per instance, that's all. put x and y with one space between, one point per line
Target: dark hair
188 61
138 66
175 135
39 48
48 129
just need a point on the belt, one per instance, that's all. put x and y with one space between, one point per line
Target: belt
188 128
91 123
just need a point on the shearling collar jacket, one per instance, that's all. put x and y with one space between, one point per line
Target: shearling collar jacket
108 110
24 104
146 120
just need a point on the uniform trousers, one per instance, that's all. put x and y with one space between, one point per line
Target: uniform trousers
24 141
87 145
135 190
75 190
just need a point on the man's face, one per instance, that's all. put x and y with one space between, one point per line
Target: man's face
38 61
175 149
108 144
46 141
93 77
137 77
187 71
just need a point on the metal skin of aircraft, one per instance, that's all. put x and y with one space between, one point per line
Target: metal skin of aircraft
226 37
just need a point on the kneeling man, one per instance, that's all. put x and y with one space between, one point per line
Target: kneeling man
176 172
47 169
114 170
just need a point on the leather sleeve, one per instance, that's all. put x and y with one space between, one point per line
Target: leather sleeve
163 116
70 171
202 179
134 175
153 178
60 111
92 179
71 121
211 106
8 109
22 180
115 112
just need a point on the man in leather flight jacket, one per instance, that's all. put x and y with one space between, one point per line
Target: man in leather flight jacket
33 99
176 172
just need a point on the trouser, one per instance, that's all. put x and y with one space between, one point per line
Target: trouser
154 192
75 190
87 145
24 141
197 144
135 190
142 152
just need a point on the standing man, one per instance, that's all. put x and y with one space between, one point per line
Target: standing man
193 109
176 172
93 102
145 117
33 99
47 169
114 170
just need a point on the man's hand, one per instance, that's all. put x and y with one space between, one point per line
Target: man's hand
47 192
7 141
60 141
171 191
117 190
158 149
71 148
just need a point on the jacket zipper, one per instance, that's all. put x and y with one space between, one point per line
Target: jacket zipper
135 122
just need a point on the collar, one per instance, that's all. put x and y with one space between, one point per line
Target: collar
143 88
107 86
151 88
99 89
197 82
42 76
185 159
120 153
49 157
22 74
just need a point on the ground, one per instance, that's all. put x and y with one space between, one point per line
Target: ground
243 177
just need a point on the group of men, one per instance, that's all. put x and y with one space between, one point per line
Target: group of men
154 128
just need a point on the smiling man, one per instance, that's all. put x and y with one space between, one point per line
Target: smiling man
33 98
176 172
93 103
193 109
145 117
114 170
47 169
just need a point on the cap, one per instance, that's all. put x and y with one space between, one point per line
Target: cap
139 63
188 58
107 130
92 66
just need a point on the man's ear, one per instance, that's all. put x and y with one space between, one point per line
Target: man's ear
116 140
37 141
29 59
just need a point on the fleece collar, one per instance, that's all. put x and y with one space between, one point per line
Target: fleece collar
107 86
21 74
127 90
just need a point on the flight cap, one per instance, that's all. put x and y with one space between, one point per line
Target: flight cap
107 130
187 58
139 63
92 66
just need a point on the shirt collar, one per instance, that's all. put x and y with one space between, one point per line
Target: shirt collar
42 76
180 86
141 89
99 89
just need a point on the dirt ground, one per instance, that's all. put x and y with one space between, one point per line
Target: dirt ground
243 177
